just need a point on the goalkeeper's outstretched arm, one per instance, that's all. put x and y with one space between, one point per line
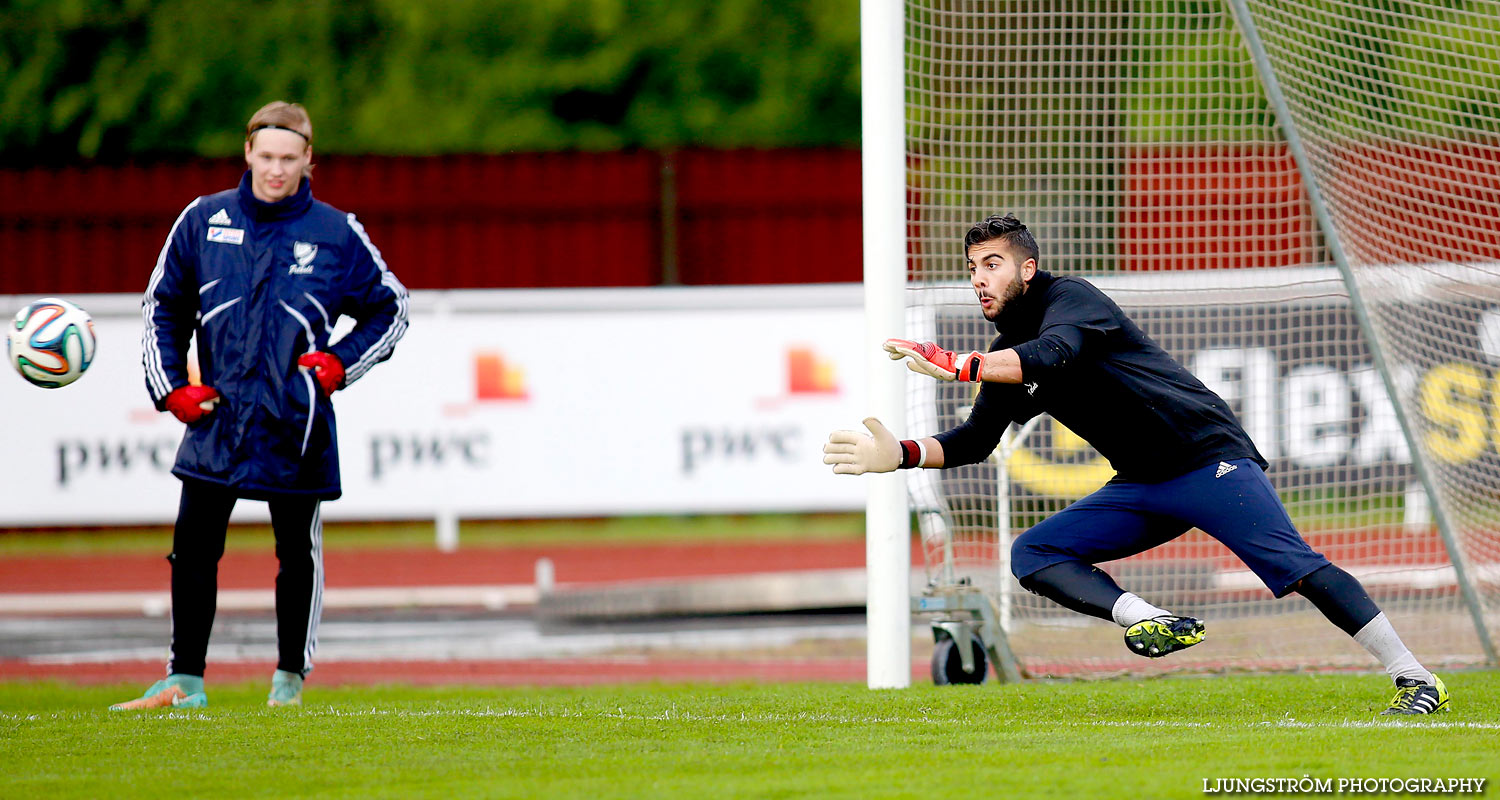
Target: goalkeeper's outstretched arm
926 358
1059 346
855 453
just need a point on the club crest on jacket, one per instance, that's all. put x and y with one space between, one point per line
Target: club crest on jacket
304 252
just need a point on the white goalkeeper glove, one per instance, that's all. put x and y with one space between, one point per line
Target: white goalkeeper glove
929 359
854 453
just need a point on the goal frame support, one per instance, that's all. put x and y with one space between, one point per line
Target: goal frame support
1267 75
885 199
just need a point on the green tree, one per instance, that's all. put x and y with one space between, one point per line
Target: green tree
1444 74
102 79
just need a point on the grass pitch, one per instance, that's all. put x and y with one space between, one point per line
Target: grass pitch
1149 738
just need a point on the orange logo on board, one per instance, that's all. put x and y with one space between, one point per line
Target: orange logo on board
496 380
808 373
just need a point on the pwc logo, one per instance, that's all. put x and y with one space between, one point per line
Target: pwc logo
808 376
496 380
809 373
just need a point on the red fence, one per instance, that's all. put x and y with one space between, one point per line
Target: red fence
1214 208
1435 203
528 220
721 217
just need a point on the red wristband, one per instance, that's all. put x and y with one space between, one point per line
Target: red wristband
911 454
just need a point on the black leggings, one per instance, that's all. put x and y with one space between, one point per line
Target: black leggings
197 546
1089 590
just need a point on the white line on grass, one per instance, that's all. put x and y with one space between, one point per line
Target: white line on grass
663 716
679 715
1423 722
1406 723
689 716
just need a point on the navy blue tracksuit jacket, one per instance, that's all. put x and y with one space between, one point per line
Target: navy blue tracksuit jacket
260 284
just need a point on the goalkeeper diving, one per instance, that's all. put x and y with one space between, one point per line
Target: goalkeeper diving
1181 458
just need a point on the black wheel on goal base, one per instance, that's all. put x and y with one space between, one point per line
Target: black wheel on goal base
948 665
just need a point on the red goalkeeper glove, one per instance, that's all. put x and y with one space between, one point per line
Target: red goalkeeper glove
326 367
191 403
929 359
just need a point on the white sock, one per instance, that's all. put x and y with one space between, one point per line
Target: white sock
1130 609
1381 640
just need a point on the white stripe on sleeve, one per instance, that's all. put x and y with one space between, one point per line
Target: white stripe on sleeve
382 346
156 374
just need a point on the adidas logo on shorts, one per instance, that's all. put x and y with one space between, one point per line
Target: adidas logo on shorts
1224 469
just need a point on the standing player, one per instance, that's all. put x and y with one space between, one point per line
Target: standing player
1182 460
259 274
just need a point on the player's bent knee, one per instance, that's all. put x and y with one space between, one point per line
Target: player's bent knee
1027 582
1029 553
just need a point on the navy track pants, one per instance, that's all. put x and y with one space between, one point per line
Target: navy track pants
1232 501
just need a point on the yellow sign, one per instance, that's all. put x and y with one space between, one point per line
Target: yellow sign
1060 478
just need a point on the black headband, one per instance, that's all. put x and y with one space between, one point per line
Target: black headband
263 126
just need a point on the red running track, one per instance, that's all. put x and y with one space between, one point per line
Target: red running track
574 563
427 566
473 566
528 672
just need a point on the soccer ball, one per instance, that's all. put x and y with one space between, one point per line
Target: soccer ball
51 342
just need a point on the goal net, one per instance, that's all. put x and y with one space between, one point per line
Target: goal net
1140 141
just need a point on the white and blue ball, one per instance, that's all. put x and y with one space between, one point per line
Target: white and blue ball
50 342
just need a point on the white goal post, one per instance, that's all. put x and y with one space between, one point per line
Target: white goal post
888 543
1299 199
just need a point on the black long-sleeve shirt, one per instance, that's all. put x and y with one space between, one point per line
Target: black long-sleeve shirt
1089 366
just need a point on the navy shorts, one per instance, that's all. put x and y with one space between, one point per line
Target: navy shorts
1239 507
